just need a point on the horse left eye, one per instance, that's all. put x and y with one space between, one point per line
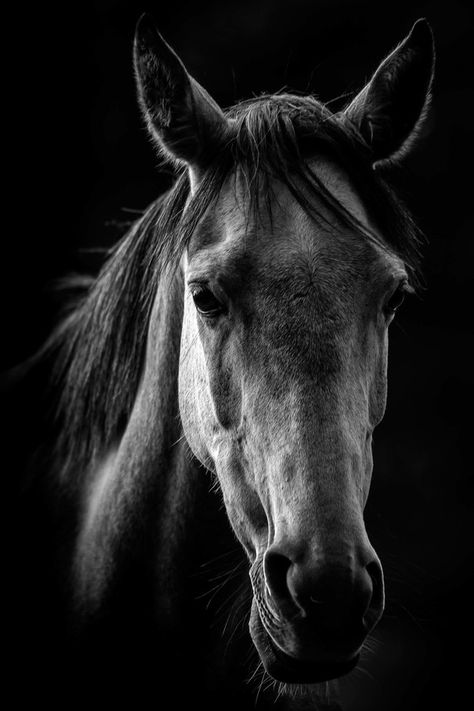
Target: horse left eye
205 301
396 300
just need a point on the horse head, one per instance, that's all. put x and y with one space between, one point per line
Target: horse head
291 280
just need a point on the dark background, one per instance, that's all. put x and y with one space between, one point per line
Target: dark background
83 162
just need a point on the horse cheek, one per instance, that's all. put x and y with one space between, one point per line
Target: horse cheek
194 406
378 388
225 386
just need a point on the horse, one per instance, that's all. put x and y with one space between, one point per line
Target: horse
220 381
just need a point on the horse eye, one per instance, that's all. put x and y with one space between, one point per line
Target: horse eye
205 301
396 300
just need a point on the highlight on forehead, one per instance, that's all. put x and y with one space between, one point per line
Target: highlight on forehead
275 139
339 185
243 203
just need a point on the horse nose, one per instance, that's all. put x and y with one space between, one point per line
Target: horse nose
341 592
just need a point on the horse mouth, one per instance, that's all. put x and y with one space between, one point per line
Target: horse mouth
287 669
291 670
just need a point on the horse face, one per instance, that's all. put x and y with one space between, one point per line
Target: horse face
283 361
282 381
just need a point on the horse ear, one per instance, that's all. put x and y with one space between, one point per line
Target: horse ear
180 114
391 109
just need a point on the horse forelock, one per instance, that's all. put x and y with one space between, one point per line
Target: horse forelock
102 342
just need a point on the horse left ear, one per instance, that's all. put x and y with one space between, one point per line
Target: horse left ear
391 109
186 122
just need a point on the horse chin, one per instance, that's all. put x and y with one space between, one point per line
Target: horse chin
288 669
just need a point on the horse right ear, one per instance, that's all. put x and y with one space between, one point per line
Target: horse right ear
390 110
187 123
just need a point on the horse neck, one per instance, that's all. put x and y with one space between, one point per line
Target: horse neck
127 489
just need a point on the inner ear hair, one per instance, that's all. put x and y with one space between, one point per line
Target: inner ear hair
183 119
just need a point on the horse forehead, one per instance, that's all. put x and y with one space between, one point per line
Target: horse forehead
288 232
286 211
234 239
340 185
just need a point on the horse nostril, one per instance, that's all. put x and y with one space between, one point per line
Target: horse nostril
330 591
324 590
276 567
376 604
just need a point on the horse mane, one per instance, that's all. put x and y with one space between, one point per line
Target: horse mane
101 343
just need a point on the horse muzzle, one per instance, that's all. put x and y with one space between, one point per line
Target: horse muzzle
310 617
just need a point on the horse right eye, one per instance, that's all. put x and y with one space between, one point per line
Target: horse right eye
396 299
205 302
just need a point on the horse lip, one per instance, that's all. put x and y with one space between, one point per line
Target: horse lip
291 670
295 671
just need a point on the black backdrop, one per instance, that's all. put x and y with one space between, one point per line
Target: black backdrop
83 162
